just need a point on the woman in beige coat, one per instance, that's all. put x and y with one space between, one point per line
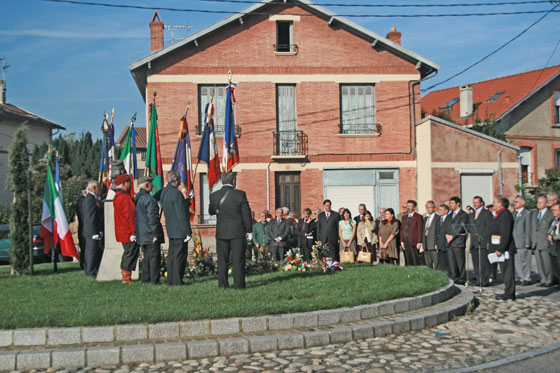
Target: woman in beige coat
388 230
365 235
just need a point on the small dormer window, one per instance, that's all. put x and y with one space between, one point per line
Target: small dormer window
284 36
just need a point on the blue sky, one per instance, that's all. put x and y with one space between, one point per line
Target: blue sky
69 63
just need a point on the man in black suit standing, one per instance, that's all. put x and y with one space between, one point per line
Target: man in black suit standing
429 236
81 238
279 231
92 220
327 229
178 226
306 233
233 229
361 213
502 242
481 219
456 238
442 225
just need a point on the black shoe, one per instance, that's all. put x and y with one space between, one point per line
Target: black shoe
525 283
459 282
518 282
541 285
485 285
505 297
547 285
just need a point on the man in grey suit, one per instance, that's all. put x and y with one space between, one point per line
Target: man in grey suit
540 224
178 226
429 236
278 229
522 239
456 238
481 219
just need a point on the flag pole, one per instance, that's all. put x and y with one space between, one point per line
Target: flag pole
205 124
146 170
53 248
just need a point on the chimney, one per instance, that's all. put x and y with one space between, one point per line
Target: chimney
2 92
156 33
465 101
394 35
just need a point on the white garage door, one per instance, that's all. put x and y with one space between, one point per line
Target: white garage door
351 196
476 185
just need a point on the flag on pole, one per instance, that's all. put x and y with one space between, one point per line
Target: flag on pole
128 156
153 156
182 162
54 217
57 179
107 150
230 155
208 150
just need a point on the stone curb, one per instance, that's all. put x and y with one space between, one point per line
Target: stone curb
509 360
53 337
226 345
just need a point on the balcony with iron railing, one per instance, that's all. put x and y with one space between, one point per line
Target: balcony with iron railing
360 129
285 49
289 145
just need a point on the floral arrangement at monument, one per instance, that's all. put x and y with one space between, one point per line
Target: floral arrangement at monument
201 263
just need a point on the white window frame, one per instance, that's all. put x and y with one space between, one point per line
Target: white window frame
356 119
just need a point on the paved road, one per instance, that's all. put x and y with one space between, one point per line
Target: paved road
547 363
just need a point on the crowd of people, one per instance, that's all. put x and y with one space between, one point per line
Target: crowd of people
438 239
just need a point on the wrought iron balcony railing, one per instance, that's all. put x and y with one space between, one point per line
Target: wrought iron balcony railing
286 48
289 143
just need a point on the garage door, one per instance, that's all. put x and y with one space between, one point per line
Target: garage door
350 196
476 185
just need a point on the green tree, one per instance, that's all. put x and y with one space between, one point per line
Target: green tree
18 183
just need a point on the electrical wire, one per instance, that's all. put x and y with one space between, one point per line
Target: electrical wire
76 2
495 51
396 5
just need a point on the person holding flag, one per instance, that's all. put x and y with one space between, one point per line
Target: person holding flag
230 156
125 226
208 150
53 219
182 162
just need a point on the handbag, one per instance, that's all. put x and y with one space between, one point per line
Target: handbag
346 256
364 256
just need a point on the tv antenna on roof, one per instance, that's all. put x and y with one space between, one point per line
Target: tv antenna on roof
177 27
4 67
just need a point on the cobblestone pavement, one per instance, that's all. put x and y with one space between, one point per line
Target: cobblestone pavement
493 331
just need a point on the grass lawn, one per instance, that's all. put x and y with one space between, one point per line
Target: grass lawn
69 298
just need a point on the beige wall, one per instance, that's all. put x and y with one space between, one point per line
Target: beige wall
36 135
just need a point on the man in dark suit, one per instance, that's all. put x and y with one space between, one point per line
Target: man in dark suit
411 234
554 239
92 220
442 225
279 230
233 229
327 229
481 220
540 224
81 238
306 234
178 226
522 239
502 243
456 238
361 213
429 236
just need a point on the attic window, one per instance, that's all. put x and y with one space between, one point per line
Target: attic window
284 36
451 103
495 96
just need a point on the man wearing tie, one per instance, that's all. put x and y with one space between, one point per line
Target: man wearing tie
278 229
540 224
553 238
411 234
455 236
502 243
327 229
361 213
522 239
429 236
481 219
441 244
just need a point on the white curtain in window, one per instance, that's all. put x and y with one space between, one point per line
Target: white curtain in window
358 114
287 122
219 105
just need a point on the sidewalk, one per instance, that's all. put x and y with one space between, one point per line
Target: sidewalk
494 331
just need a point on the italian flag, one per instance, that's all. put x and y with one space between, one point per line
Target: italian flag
54 218
128 156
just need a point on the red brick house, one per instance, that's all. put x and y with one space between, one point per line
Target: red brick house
324 106
526 108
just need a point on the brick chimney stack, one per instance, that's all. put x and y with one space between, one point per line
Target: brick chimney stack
394 35
156 33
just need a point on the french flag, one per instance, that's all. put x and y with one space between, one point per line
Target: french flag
208 150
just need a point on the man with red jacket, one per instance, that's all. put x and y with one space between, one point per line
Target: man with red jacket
411 234
125 226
